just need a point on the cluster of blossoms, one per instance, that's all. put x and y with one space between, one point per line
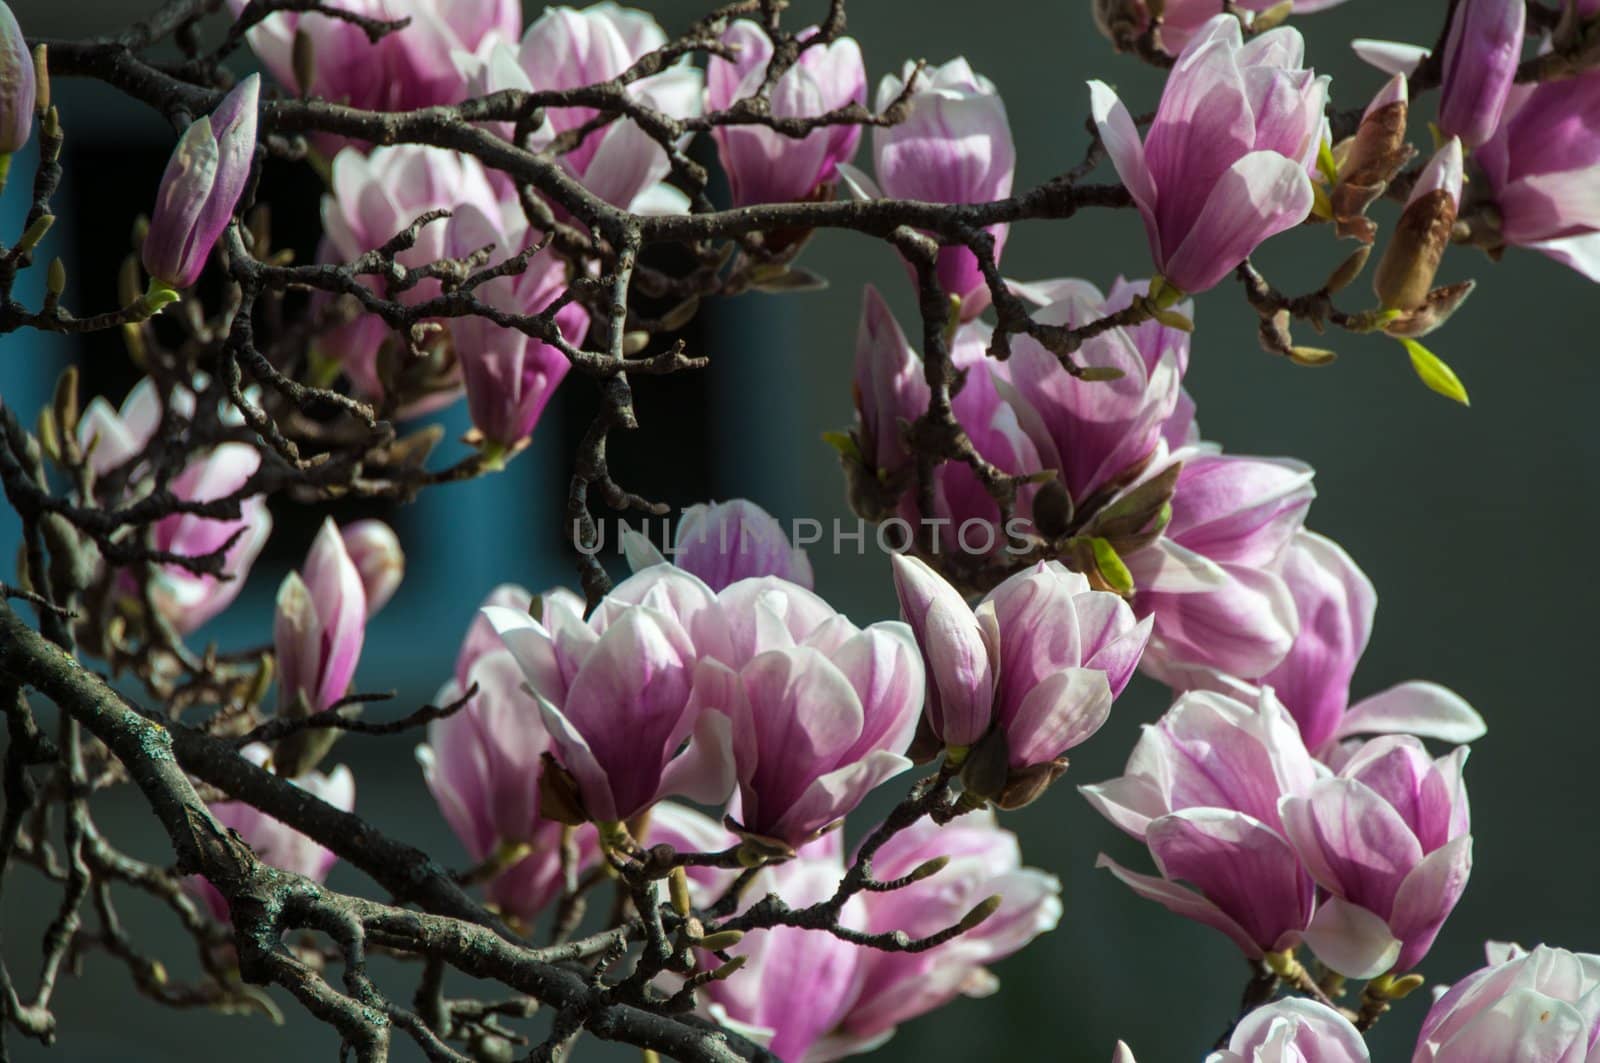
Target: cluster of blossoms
713 705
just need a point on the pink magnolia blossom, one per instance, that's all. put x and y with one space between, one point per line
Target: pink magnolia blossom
201 187
1202 791
1542 165
1481 56
114 437
1226 163
509 375
615 694
856 996
1389 839
763 165
566 48
953 147
481 637
1335 603
821 711
1098 434
273 841
1522 1007
985 862
373 198
1214 583
785 966
482 765
1293 1030
188 599
406 70
1038 662
725 542
375 550
890 389
320 625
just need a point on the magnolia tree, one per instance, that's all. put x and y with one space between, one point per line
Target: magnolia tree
648 777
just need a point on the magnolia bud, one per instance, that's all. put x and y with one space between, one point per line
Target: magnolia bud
1369 160
1405 276
201 187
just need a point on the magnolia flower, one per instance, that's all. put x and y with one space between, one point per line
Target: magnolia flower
509 375
1098 434
188 599
1389 839
405 70
821 711
113 437
763 165
1032 671
855 996
202 185
614 693
1226 162
1335 602
1293 1030
1541 168
726 542
1202 791
375 551
372 199
482 765
1481 56
890 389
954 146
18 88
797 985
1523 1007
1213 583
984 862
275 842
568 49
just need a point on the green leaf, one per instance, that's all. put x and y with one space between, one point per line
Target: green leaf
1434 372
1115 573
844 443
1325 162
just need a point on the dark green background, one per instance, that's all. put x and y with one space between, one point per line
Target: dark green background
1475 525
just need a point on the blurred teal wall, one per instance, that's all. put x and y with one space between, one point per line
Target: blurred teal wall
1475 525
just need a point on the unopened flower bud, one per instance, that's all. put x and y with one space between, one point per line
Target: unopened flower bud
927 869
1405 276
678 888
1369 160
1348 270
201 187
41 80
979 913
1024 785
723 939
1052 509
